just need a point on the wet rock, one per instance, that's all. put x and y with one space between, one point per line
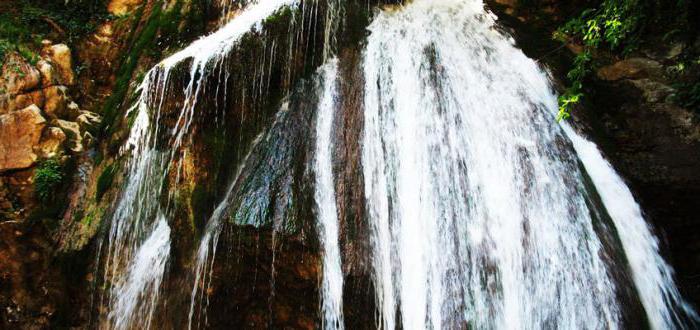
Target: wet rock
633 68
51 142
18 76
62 63
653 91
20 132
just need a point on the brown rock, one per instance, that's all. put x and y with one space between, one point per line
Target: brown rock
51 142
121 7
72 111
72 130
22 101
60 57
56 102
89 121
633 68
20 132
48 74
18 76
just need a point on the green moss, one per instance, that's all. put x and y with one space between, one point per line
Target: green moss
160 29
104 182
48 177
89 218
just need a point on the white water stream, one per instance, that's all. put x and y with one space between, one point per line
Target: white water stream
332 281
139 213
480 213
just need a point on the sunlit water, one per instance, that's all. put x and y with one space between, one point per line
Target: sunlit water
332 281
480 212
140 210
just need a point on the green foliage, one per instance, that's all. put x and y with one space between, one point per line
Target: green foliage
104 182
687 86
47 178
24 24
688 95
613 26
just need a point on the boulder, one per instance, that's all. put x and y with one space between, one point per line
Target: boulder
48 74
72 111
633 68
72 131
22 101
18 76
60 57
653 91
51 142
56 102
89 121
20 133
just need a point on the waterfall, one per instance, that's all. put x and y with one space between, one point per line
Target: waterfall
653 277
206 253
139 212
145 275
332 281
483 211
480 213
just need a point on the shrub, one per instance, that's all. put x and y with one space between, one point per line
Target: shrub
611 25
47 178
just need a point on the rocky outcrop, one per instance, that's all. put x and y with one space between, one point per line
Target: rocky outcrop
38 118
38 121
20 133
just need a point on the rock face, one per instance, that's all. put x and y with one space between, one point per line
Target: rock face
38 120
60 63
18 76
20 132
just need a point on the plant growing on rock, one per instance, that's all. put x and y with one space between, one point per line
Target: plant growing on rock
612 25
47 178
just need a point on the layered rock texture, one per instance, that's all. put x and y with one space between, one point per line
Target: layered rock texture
38 118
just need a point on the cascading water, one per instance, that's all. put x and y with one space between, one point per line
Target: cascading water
145 275
483 211
139 216
481 215
332 281
206 253
653 277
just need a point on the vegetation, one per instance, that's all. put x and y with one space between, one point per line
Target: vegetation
47 178
618 27
161 28
24 23
612 25
687 85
